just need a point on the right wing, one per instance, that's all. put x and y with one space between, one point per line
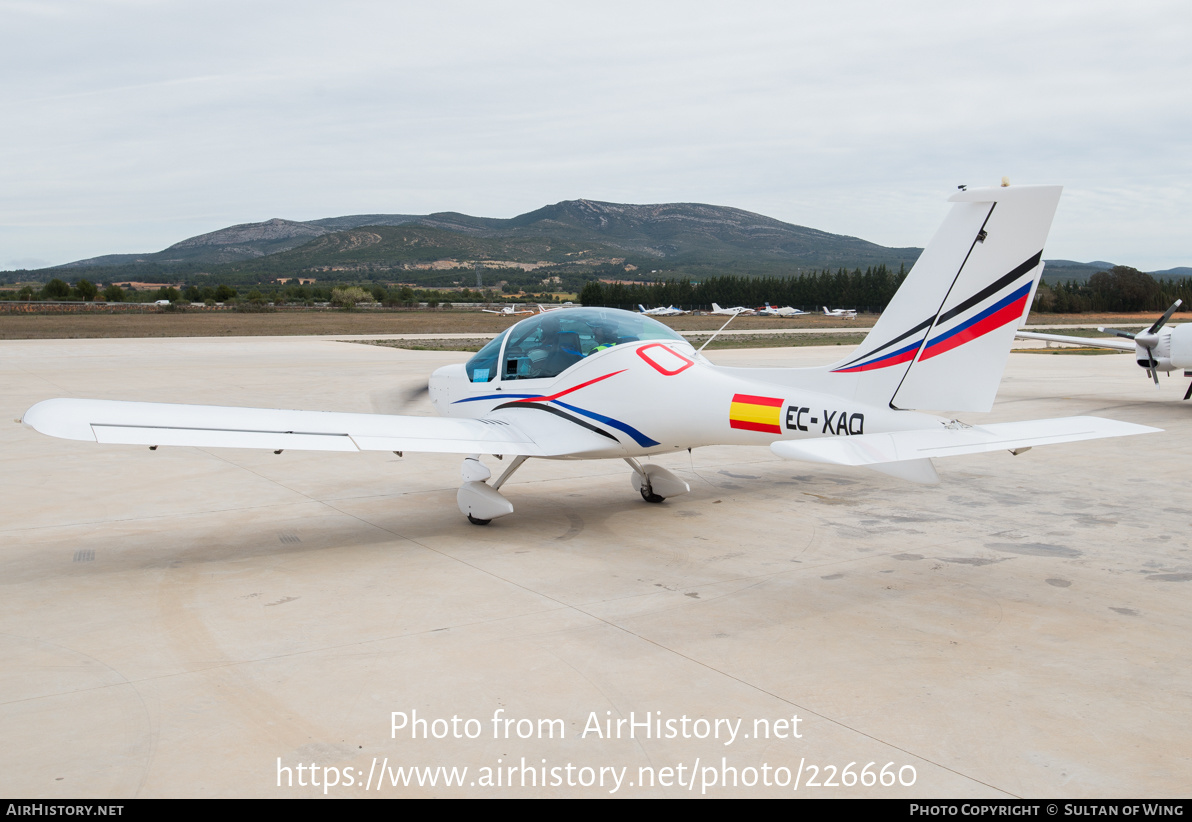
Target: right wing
211 426
1116 343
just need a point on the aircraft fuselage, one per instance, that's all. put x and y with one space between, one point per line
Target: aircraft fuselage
647 398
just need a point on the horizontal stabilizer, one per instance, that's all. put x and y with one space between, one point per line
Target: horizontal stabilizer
896 446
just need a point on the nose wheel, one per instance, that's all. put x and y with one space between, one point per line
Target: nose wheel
480 502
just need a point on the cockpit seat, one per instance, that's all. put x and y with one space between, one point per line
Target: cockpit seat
567 352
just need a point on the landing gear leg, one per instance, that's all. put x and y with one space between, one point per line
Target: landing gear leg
508 472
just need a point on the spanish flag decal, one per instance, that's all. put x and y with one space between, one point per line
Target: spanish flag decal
752 413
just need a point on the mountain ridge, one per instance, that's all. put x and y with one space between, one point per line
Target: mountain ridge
662 231
682 239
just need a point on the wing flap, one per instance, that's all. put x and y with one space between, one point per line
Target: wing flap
199 437
210 426
896 446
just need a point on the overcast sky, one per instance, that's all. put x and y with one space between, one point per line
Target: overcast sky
129 125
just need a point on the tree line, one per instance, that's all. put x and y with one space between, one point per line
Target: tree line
1121 289
868 290
83 290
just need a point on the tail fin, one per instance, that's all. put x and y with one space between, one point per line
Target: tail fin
943 342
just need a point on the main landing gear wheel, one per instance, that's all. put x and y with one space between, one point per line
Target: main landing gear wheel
650 496
650 479
476 521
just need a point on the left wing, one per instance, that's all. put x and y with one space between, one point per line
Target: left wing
1092 342
211 426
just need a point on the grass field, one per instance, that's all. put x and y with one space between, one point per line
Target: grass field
315 322
735 341
306 323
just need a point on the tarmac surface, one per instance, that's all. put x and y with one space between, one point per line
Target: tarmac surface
213 623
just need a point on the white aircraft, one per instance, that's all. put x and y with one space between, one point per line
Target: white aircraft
507 311
843 313
1161 347
734 311
670 311
599 383
773 311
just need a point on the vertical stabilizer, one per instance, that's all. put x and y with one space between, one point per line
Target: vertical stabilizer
943 342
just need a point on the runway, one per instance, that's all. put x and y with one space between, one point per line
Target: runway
225 623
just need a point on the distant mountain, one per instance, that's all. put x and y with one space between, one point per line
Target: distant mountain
357 220
242 242
685 239
1062 271
675 234
676 231
1173 273
233 244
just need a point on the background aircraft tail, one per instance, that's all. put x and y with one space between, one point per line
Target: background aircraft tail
943 342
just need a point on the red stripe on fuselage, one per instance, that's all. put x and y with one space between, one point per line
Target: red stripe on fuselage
569 390
995 320
905 356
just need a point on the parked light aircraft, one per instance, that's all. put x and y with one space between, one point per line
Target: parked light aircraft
597 383
507 311
670 311
844 313
735 310
1161 347
773 311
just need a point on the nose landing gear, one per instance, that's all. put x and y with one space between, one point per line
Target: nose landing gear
480 502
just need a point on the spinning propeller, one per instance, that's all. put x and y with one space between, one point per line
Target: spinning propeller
404 400
1148 339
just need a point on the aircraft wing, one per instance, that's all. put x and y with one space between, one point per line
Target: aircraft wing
1116 343
876 450
211 426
